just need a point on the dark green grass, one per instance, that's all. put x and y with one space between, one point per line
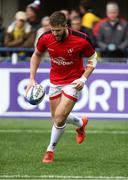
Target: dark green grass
102 154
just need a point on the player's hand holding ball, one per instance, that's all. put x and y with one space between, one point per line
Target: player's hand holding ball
31 83
34 92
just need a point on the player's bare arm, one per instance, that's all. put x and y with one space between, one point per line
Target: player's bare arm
34 64
92 61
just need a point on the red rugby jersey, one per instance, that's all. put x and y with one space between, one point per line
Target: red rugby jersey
66 56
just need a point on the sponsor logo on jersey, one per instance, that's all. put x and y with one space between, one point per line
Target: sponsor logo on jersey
62 61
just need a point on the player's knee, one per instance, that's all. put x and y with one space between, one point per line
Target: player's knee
59 119
59 123
60 126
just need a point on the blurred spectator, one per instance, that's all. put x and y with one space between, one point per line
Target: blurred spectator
32 11
45 27
89 17
112 37
73 13
2 30
96 27
19 33
76 24
45 22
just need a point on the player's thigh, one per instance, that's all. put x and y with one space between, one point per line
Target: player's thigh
53 105
63 109
54 96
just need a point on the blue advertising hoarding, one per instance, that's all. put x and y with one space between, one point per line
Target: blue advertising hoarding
104 96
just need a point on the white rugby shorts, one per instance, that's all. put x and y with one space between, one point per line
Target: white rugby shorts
69 91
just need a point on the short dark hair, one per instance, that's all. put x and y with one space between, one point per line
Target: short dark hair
58 18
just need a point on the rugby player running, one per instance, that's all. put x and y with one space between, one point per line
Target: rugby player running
68 75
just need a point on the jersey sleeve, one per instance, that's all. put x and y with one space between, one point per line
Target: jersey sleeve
41 44
89 50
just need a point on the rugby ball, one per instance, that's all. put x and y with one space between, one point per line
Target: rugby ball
35 94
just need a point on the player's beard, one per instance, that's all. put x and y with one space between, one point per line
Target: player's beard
61 37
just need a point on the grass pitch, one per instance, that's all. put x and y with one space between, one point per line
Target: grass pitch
104 154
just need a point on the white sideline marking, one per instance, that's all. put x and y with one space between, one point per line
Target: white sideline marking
48 114
62 177
68 131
